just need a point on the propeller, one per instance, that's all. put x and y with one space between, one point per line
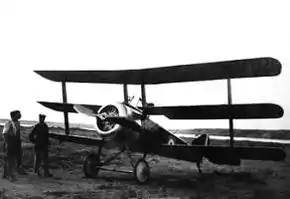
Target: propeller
89 112
109 116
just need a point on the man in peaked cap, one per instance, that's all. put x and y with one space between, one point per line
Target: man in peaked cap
40 137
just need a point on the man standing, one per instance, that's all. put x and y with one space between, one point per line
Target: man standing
39 136
11 135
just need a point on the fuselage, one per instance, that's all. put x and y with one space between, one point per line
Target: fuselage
138 132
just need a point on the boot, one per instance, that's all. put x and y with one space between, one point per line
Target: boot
12 178
37 172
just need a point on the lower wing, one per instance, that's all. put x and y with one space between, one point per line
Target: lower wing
77 139
220 154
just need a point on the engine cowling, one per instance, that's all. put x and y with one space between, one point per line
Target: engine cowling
107 129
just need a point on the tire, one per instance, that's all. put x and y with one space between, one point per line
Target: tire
141 171
89 167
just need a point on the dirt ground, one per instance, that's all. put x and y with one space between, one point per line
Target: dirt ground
169 178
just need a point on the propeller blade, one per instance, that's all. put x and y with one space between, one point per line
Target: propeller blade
84 110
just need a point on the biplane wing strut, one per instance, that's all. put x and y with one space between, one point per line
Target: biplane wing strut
65 113
125 91
231 122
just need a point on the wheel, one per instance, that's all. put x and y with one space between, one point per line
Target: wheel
171 140
91 161
141 171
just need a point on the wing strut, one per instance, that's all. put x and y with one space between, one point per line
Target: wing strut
125 91
143 95
231 122
143 98
65 113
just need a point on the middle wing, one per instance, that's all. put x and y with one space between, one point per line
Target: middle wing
70 108
235 111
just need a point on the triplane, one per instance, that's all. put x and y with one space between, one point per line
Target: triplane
131 128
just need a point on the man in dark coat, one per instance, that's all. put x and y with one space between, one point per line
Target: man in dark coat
39 136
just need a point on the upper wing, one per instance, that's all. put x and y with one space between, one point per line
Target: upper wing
183 73
235 111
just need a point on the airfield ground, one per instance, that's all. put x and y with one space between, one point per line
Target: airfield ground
169 178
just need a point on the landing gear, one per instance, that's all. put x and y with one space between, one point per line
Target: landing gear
198 165
203 140
91 164
141 171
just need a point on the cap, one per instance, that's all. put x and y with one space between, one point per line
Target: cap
13 113
42 115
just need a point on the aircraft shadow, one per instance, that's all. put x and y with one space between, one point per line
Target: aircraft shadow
194 180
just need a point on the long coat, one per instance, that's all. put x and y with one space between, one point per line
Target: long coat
40 137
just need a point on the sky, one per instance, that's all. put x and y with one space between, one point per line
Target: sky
115 35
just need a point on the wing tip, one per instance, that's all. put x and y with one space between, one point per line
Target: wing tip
50 75
273 62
